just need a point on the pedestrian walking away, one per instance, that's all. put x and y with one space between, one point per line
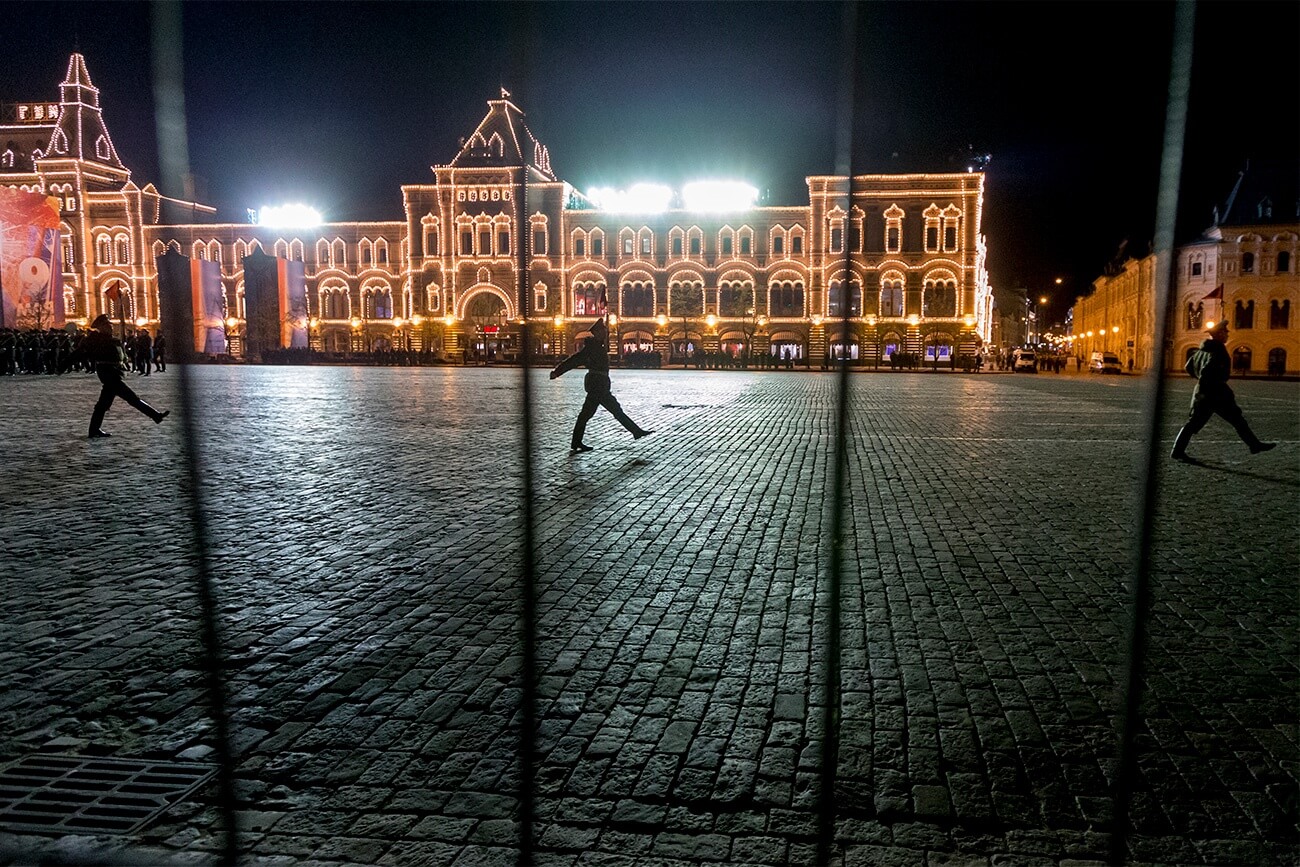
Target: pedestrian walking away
594 355
105 353
159 347
1211 365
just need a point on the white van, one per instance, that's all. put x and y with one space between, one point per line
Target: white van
1024 360
1104 362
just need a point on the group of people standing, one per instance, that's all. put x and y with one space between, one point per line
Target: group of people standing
55 351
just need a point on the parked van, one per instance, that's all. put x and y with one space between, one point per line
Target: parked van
1024 360
1104 362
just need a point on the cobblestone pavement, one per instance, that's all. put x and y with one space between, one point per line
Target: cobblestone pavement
366 548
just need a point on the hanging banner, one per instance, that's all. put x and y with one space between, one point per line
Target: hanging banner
275 300
31 278
192 305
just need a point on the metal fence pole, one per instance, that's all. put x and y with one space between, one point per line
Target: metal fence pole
1171 162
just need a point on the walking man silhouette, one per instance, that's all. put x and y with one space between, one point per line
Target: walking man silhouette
103 351
1211 365
594 355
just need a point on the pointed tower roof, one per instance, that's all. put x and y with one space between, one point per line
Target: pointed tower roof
80 132
502 139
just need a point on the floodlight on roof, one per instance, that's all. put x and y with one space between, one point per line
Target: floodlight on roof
288 217
719 196
637 199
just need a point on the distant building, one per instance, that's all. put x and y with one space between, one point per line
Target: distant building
1243 267
904 254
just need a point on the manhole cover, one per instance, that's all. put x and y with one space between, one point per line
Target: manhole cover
69 794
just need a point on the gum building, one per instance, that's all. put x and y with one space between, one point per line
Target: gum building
495 237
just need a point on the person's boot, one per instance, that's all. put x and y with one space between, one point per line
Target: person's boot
578 448
1256 447
98 434
1179 452
639 432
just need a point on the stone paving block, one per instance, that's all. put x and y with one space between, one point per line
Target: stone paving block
371 619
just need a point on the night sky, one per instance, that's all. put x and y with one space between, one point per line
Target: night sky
337 104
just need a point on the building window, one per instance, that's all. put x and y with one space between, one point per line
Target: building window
855 236
598 246
677 246
891 239
1279 314
484 242
837 240
950 238
1243 315
796 245
778 245
539 242
785 299
638 299
1196 269
580 246
891 298
586 298
726 246
835 304
1241 357
745 245
431 243
467 243
628 246
931 239
123 251
695 246
1248 263
645 245
1283 262
1195 316
503 243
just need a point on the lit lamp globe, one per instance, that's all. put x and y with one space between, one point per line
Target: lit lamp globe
141 322
449 320
313 322
559 320
711 321
231 322
662 319
417 320
1114 329
816 319
613 319
398 322
356 323
969 320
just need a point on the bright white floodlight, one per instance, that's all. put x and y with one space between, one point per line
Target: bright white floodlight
288 217
638 199
719 196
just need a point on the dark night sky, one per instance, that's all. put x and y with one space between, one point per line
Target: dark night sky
338 104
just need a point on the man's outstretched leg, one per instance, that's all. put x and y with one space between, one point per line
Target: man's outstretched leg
615 409
580 426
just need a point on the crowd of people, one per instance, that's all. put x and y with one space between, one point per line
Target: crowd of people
55 351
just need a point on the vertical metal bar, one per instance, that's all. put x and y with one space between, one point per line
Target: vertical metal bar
1171 162
167 31
528 572
829 759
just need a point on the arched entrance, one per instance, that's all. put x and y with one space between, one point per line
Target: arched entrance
786 346
486 314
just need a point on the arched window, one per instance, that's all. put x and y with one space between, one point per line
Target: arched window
281 249
122 247
951 226
586 297
432 297
69 255
931 217
214 251
796 241
1243 315
893 229
199 250
727 242
338 253
1279 313
835 299
735 298
537 222
891 296
695 241
429 224
103 251
746 239
939 298
646 242
295 250
365 252
638 299
381 251
379 303
597 242
785 298
685 298
579 243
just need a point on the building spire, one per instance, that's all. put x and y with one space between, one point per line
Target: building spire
80 132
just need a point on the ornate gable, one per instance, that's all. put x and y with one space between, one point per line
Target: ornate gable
503 140
80 133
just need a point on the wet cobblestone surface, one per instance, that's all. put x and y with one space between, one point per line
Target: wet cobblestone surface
366 549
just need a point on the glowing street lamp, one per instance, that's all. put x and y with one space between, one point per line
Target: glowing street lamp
711 321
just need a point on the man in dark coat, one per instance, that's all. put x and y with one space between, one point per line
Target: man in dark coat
105 353
159 350
594 355
1211 365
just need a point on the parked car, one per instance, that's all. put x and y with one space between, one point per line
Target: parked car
1024 360
1104 362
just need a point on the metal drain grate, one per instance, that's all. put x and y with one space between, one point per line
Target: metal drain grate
70 794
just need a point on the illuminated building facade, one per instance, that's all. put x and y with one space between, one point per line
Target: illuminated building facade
903 255
1243 268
